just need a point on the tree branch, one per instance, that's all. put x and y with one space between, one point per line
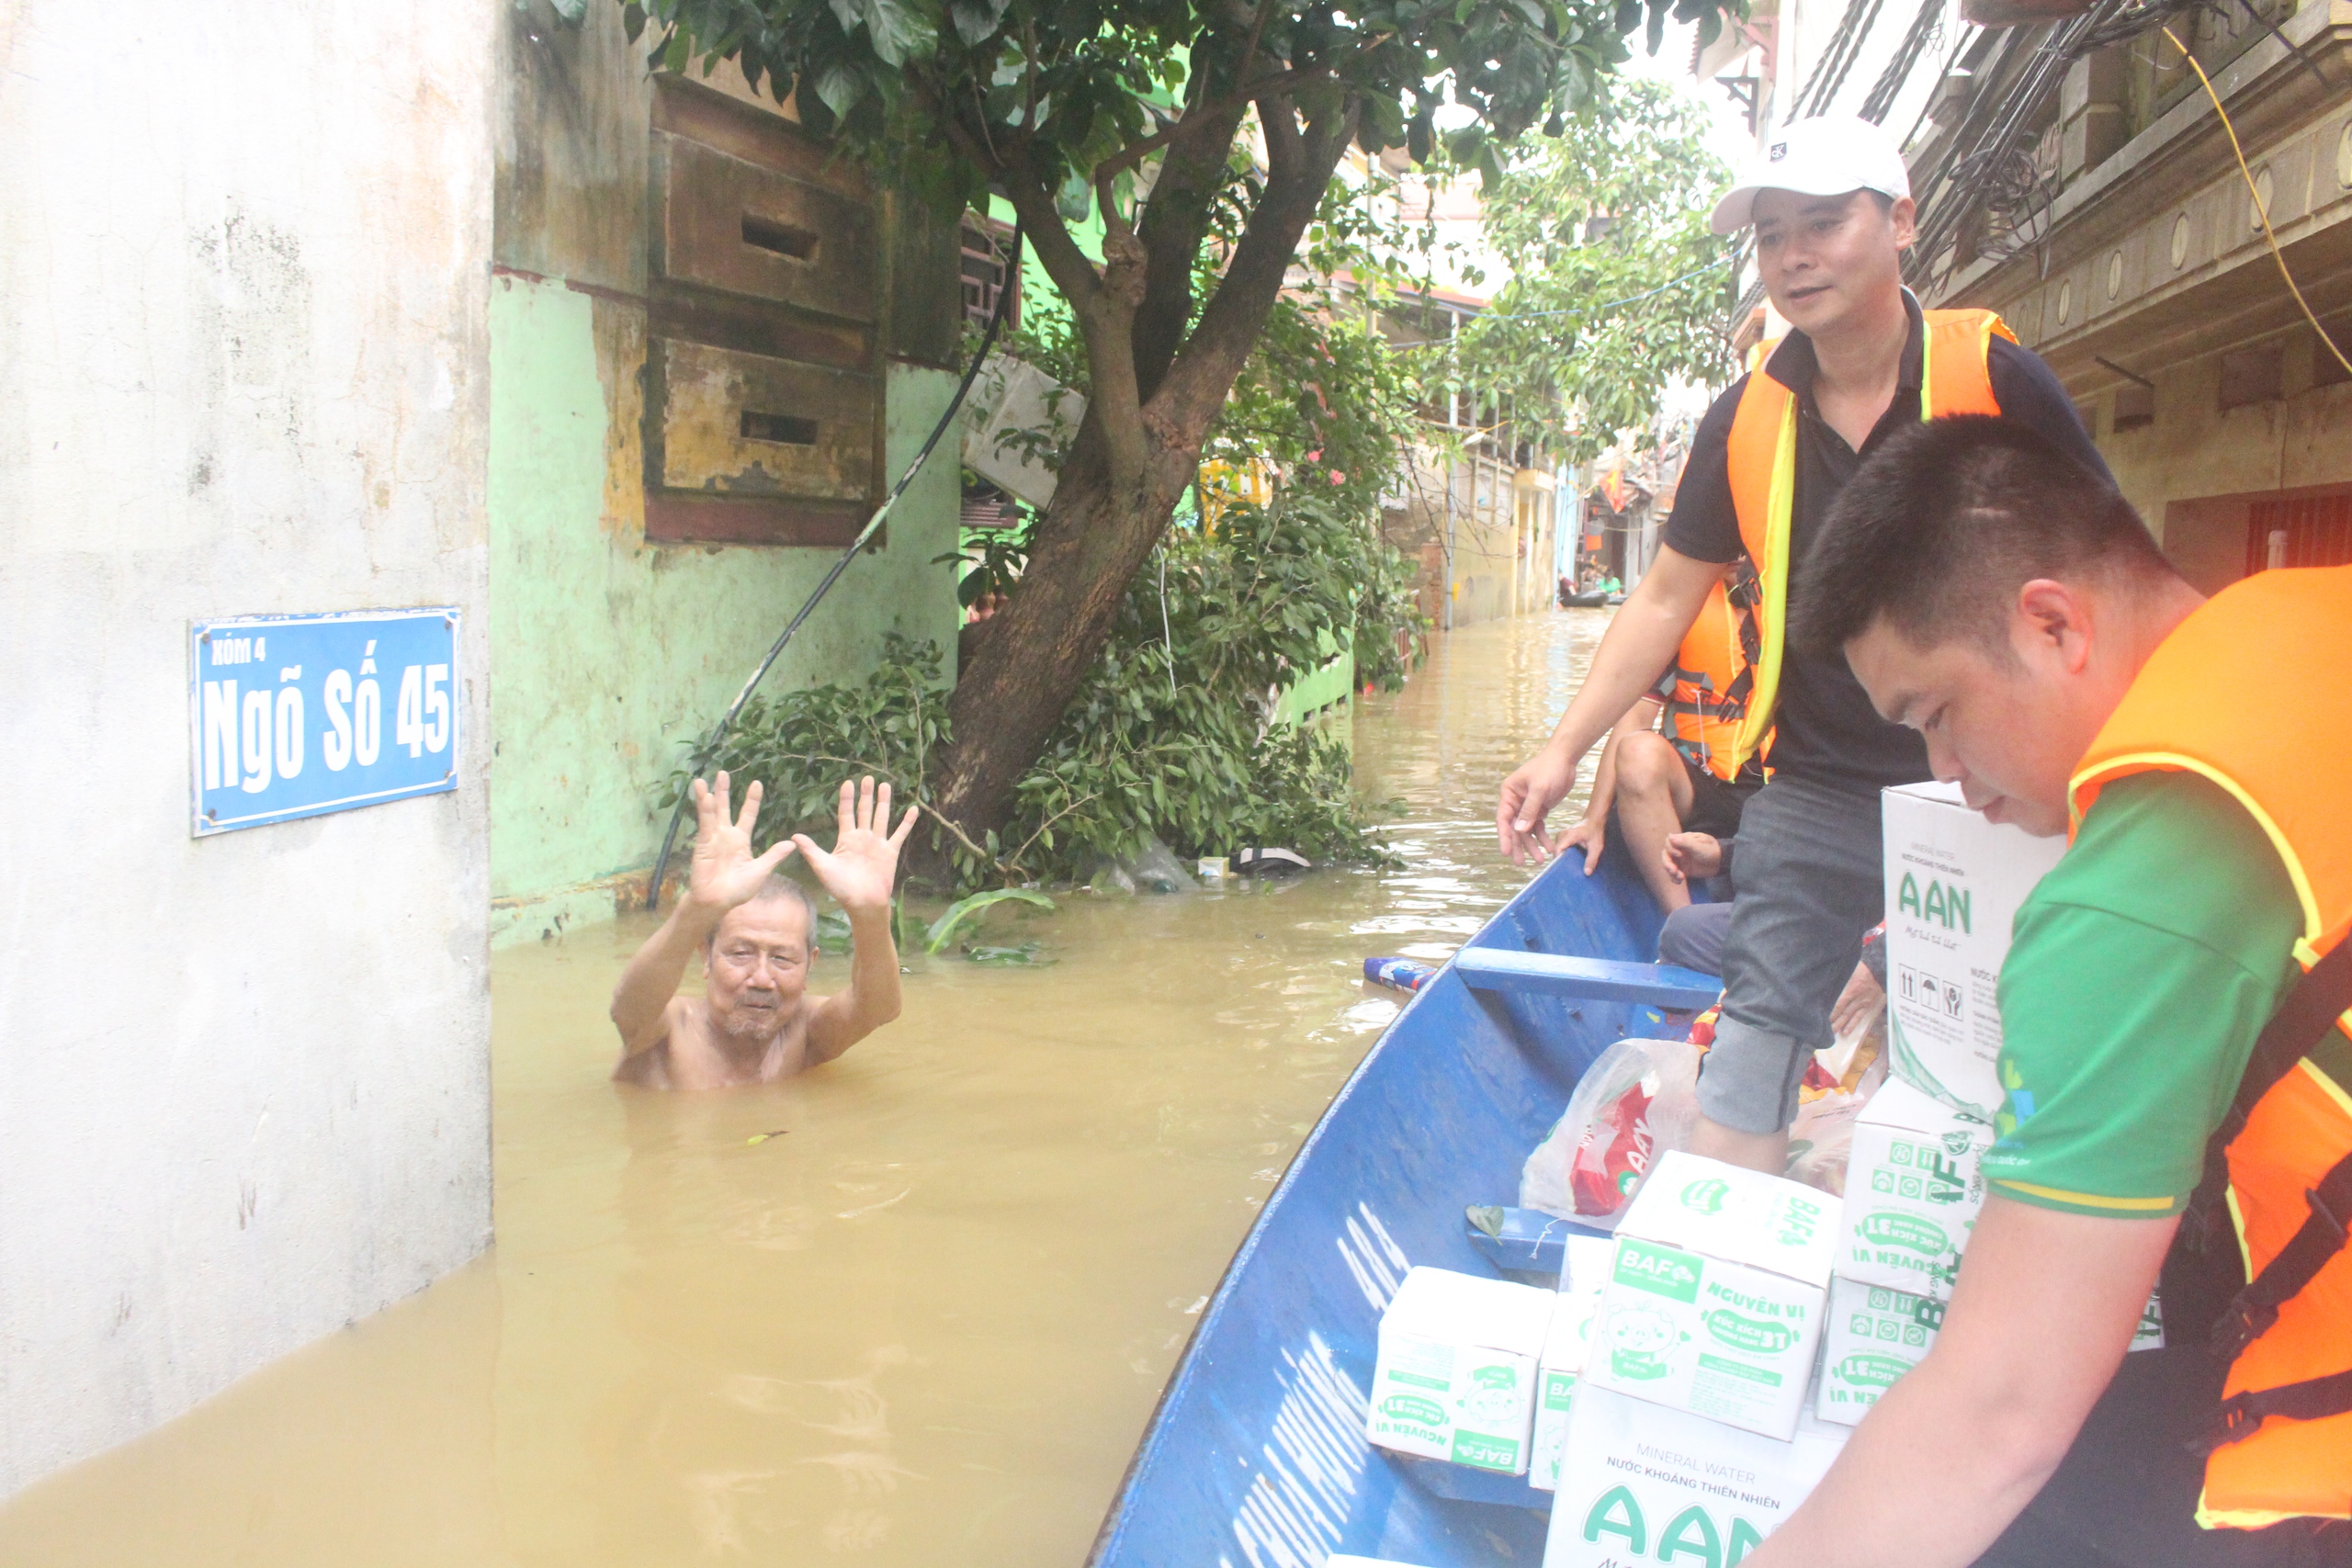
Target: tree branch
1105 304
1042 226
1175 225
1300 161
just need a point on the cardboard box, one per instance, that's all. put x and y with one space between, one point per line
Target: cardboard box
1645 1484
1913 1190
1875 1334
1455 1376
1564 1354
1953 884
1715 1299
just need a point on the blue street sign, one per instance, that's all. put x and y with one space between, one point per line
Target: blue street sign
297 715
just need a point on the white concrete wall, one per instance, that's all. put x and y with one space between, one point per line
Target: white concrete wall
244 1082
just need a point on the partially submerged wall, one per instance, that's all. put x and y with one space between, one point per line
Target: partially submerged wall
244 258
612 651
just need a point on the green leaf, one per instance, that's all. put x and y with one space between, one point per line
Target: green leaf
942 929
839 89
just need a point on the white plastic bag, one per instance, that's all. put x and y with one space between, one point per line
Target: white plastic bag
1637 1101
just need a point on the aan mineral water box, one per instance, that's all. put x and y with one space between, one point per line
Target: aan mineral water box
1875 1334
1564 1353
1714 1297
1913 1189
1455 1376
1953 884
1645 1484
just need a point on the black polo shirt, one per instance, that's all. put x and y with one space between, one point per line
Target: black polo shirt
1825 729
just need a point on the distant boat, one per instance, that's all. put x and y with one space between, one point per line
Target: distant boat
1589 600
1257 1452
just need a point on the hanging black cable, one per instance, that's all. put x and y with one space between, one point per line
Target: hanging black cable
1890 82
864 536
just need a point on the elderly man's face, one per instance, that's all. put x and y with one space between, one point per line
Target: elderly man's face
759 966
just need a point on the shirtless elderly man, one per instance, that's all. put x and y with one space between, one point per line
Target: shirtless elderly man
757 932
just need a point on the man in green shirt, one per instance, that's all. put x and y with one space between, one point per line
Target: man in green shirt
1993 593
2175 901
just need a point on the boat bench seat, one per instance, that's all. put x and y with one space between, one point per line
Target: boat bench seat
1596 979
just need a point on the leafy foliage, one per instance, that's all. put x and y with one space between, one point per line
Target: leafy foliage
951 92
1132 109
1194 759
1323 388
1612 208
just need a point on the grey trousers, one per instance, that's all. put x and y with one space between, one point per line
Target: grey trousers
1808 883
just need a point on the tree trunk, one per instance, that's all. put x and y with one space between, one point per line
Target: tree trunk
1088 548
1108 513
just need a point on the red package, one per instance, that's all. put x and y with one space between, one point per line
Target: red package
1612 1155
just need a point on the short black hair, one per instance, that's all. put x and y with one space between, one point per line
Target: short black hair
1944 523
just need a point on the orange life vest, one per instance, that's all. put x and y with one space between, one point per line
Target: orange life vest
2211 701
1713 670
1955 378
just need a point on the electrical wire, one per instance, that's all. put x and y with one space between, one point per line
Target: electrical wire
1837 82
864 537
2261 211
1889 85
1818 86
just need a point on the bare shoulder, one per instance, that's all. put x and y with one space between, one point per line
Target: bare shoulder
680 1025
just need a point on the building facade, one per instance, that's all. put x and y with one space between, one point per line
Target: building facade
244 275
2144 277
713 346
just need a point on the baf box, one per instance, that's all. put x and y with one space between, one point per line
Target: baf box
1565 1347
1715 1297
1455 1377
1913 1190
1644 1485
1953 884
1875 1334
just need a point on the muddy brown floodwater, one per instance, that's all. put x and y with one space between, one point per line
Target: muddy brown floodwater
925 1322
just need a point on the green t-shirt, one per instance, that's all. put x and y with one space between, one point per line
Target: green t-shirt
2139 973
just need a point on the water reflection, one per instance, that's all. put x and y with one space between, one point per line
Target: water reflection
912 1309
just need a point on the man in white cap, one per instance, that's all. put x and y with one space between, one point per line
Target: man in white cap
1831 207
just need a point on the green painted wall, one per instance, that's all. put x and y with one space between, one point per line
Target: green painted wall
606 653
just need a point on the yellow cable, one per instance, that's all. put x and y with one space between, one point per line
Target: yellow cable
2255 191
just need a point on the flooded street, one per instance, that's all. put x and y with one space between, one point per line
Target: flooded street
921 1323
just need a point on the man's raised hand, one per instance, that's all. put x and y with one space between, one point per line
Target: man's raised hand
863 865
724 872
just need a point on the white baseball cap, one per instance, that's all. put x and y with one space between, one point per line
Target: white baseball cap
1827 156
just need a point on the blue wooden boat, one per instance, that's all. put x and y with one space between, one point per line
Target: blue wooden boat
1256 1455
